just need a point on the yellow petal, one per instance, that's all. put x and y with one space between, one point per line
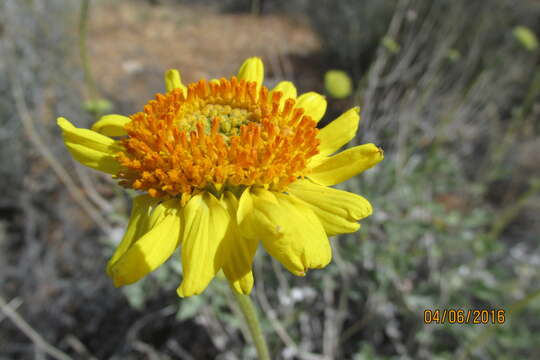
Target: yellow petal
153 248
252 70
142 207
288 229
288 90
346 164
339 132
241 284
237 250
337 210
174 81
314 105
90 148
111 125
206 223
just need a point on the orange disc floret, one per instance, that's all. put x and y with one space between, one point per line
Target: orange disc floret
221 135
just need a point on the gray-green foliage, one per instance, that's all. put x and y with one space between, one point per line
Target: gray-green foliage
450 129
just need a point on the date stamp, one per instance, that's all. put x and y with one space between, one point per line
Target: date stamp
462 316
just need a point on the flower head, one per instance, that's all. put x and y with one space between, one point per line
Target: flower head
224 165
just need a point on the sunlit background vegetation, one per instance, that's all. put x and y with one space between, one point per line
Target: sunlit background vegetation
449 89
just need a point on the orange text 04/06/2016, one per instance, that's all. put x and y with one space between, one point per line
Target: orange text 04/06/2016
464 316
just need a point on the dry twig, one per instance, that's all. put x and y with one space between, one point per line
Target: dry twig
65 178
279 328
32 334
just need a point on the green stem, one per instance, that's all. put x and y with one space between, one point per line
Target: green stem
250 316
88 78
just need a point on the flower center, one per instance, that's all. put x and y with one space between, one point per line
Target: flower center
224 135
230 118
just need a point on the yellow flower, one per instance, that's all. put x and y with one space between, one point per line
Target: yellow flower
223 165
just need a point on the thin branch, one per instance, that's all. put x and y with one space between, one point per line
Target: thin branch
179 350
65 178
32 334
13 304
90 190
279 328
334 318
79 347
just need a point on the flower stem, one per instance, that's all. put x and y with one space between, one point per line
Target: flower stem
250 316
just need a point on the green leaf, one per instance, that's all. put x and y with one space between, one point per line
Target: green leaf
526 37
98 107
337 84
391 44
453 55
190 307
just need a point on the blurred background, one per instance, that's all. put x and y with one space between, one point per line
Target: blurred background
449 89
